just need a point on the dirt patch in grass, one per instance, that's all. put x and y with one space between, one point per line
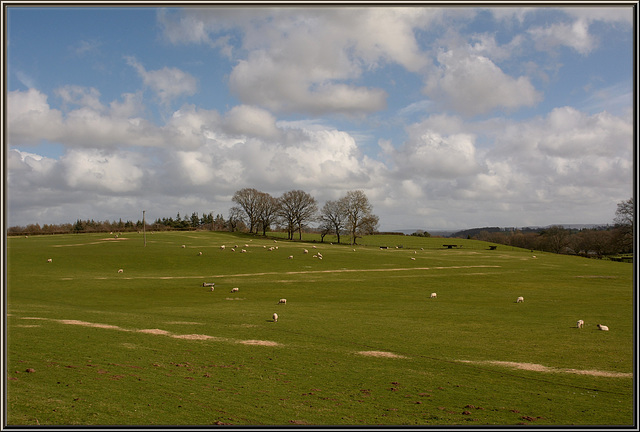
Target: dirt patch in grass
88 324
193 337
154 331
540 368
380 354
259 342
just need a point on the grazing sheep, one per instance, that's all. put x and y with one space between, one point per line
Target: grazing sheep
275 317
290 257
120 271
306 251
246 245
319 255
183 246
49 260
282 301
313 247
413 259
234 289
233 250
199 253
207 284
222 247
520 300
580 324
434 295
243 251
212 288
533 256
603 327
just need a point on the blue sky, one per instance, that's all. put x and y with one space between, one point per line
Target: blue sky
446 118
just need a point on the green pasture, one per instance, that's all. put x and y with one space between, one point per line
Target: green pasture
359 341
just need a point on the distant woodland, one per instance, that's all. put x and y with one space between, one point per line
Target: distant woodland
596 242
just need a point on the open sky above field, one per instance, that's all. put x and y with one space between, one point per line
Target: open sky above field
446 118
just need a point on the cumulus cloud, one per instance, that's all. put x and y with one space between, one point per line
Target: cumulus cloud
167 83
251 120
30 120
574 35
297 60
472 84
429 154
95 170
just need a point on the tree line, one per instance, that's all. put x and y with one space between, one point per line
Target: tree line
593 242
295 210
254 211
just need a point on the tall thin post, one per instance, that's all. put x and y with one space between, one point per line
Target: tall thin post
144 232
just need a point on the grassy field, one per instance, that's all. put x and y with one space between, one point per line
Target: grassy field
359 341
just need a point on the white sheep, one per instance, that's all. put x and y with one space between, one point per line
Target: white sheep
319 255
222 247
580 324
603 327
434 295
212 288
246 245
520 300
49 260
234 289
183 246
199 253
306 251
243 251
413 259
290 257
120 271
282 301
275 317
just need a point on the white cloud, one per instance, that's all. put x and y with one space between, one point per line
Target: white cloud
167 83
473 84
95 170
574 35
252 121
297 60
30 118
428 154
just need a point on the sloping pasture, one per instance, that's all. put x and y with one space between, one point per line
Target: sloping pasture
359 342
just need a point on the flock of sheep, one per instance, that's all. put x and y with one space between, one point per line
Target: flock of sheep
579 324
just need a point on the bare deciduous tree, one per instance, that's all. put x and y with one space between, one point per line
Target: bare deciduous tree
332 218
297 208
624 225
268 208
248 199
359 218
